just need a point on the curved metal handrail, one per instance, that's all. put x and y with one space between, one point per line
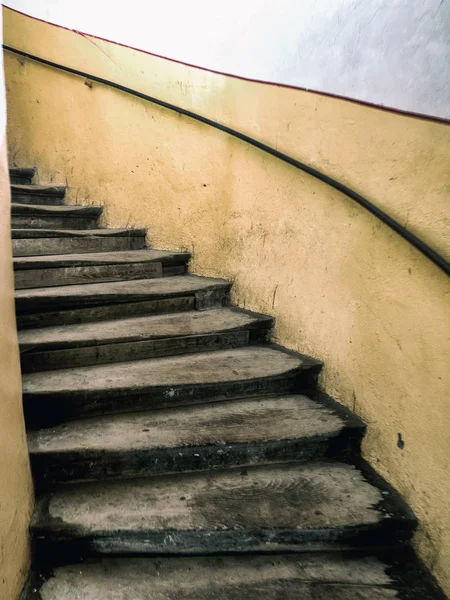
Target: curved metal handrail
420 245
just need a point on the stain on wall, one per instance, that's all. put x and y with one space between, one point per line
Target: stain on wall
342 286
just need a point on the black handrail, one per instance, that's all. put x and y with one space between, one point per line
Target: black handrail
434 256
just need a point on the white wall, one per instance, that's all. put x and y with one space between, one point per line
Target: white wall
390 52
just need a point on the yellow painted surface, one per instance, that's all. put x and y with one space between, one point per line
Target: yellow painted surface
342 286
15 482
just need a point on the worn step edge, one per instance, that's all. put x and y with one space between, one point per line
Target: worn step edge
46 408
88 275
41 197
244 577
389 527
381 575
57 245
38 190
99 302
18 234
131 330
101 349
39 263
104 293
64 210
75 269
121 352
324 435
28 199
111 310
44 222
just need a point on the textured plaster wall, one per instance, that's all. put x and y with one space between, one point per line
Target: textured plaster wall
15 483
341 285
390 52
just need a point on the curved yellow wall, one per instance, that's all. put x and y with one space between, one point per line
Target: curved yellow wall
341 285
15 482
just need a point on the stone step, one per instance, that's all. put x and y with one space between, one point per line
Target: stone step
37 216
313 506
264 430
54 396
38 194
44 242
307 576
150 336
70 304
21 175
72 269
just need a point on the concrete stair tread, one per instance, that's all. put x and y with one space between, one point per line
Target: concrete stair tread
38 190
74 233
63 210
258 420
100 258
93 267
121 291
45 242
139 328
136 338
273 577
279 507
241 432
132 377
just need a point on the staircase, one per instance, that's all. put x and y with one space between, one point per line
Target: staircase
177 454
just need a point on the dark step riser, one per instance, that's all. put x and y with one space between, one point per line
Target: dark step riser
104 313
50 246
21 175
201 301
37 199
50 469
17 179
45 411
38 278
26 222
137 350
68 545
